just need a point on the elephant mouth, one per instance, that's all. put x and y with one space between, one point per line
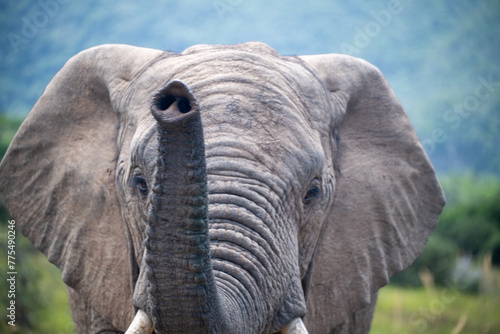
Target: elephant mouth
142 324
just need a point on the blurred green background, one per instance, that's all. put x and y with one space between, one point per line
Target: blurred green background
440 57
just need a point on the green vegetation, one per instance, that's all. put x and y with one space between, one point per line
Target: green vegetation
439 256
8 128
41 300
435 311
472 218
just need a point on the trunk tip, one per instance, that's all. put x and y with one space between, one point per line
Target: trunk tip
174 104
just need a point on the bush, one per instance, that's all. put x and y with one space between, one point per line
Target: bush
469 225
8 128
439 256
472 217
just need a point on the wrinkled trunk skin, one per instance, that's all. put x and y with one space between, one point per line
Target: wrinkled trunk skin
243 288
181 288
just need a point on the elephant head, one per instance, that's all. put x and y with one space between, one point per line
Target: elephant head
225 189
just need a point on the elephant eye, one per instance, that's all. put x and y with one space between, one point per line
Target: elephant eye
143 186
311 193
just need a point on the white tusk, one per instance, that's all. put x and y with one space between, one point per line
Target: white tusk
296 326
141 324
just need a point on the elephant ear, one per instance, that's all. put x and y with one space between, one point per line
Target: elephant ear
387 198
58 176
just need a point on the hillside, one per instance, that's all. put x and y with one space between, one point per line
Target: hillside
442 58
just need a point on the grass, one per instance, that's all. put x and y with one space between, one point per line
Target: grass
435 310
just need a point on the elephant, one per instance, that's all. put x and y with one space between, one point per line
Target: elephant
223 189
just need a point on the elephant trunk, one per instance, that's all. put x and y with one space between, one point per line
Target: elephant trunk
180 290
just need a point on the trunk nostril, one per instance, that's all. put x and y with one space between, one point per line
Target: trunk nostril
174 104
166 102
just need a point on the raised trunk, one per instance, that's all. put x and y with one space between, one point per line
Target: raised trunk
182 294
181 288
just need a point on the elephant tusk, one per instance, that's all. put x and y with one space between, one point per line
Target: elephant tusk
296 326
141 324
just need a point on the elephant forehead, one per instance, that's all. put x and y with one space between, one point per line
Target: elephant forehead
233 72
273 103
243 81
261 94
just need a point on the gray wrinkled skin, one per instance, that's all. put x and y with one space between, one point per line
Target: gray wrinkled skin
226 189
